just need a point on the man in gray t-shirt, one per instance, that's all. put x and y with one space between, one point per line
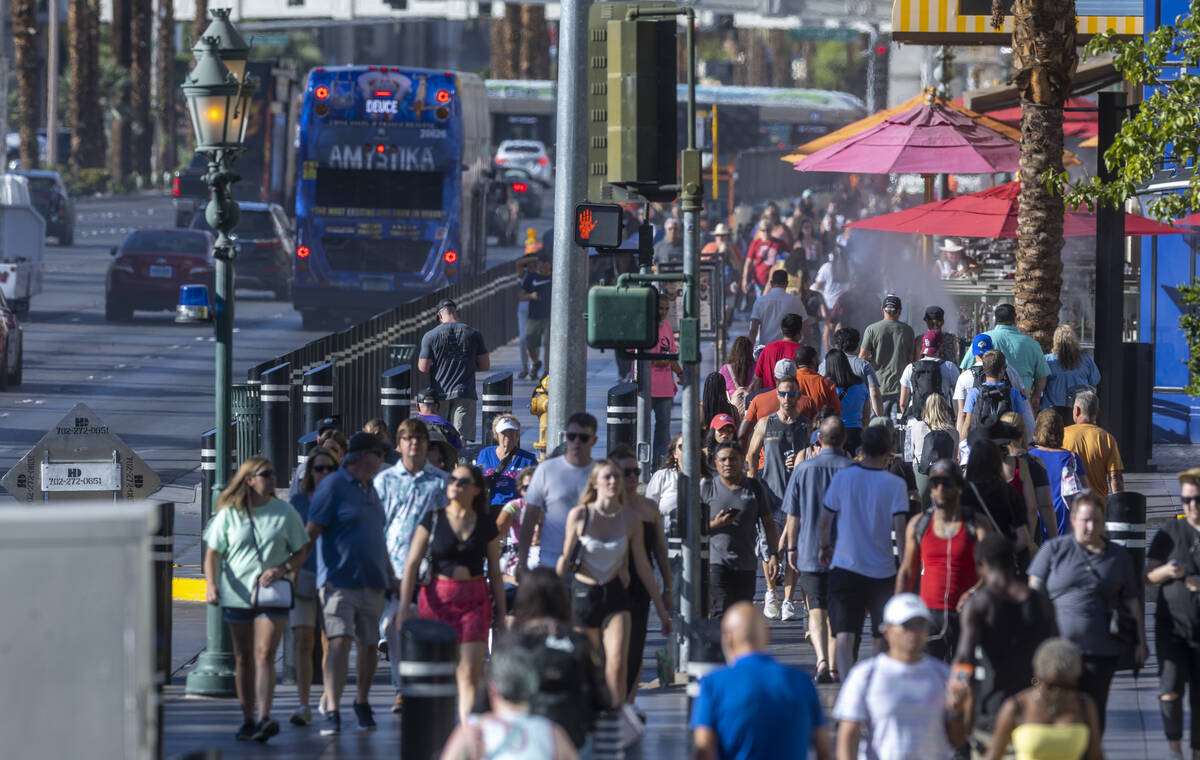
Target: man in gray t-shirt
735 506
888 344
452 352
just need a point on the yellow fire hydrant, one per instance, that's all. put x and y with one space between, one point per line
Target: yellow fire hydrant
539 406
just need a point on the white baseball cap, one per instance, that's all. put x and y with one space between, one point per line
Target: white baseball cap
506 424
902 608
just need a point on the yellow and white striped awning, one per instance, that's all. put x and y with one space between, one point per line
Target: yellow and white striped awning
968 22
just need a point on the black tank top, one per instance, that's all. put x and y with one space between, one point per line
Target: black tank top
779 439
1012 630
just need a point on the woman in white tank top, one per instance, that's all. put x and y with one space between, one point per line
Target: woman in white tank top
509 731
600 534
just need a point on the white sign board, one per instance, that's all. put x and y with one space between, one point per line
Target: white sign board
81 476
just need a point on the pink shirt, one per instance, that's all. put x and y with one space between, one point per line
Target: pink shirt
662 379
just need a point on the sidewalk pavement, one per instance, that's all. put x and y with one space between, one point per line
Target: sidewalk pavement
1134 723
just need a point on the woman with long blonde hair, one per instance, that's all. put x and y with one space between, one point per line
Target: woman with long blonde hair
601 534
936 417
253 539
1071 370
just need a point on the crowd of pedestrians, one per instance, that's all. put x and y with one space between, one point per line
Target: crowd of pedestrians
952 493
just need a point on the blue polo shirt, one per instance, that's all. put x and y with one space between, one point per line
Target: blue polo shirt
351 551
805 497
758 708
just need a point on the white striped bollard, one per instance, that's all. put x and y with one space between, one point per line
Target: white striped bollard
622 416
395 397
497 400
276 401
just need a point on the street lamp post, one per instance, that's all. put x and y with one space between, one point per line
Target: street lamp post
217 99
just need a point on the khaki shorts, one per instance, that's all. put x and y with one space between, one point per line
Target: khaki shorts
304 613
352 612
461 413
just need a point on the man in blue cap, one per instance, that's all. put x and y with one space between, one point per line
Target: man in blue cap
1023 353
973 377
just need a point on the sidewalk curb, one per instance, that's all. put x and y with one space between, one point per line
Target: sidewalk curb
189 589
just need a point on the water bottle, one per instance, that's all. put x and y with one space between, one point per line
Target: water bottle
908 443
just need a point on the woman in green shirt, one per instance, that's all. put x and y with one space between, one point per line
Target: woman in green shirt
252 538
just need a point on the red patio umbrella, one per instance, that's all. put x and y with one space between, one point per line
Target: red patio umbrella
992 213
1075 123
928 139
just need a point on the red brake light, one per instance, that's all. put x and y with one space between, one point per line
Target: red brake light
501 161
321 92
302 252
380 148
175 187
520 187
449 257
543 161
383 93
443 96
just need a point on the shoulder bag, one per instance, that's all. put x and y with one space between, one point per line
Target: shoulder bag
425 571
280 595
1122 625
576 560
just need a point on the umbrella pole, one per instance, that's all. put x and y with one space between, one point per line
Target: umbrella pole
926 240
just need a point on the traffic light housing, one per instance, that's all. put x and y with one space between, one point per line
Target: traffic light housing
632 132
624 316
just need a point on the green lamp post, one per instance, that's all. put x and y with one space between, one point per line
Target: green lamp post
218 97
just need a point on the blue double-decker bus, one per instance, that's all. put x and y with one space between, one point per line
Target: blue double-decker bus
393 186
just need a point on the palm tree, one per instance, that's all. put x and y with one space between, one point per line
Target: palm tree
141 34
25 45
1044 57
120 164
83 59
164 76
535 43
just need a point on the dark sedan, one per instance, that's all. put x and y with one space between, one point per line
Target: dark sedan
263 236
50 198
11 347
150 265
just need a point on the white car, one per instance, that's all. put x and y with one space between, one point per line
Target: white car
529 155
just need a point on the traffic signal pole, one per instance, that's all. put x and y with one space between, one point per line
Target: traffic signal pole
692 196
569 279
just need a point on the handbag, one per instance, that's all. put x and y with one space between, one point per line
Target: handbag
576 560
425 571
280 595
1069 481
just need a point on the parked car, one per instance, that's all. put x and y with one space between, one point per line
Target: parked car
529 155
189 193
50 198
526 189
265 242
150 265
12 347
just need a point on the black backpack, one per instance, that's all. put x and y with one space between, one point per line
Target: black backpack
994 401
938 444
925 519
926 380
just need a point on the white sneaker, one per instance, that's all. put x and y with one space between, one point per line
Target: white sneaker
770 606
789 611
302 716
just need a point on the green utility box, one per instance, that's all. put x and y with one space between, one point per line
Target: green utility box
622 317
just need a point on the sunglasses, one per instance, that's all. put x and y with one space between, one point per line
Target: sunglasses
413 438
788 394
942 483
462 482
916 625
324 468
1190 499
632 471
265 474
581 437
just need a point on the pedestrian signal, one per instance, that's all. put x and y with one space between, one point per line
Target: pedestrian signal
598 225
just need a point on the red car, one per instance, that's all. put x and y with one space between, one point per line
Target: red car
11 347
150 265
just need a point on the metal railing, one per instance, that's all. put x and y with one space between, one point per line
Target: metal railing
361 353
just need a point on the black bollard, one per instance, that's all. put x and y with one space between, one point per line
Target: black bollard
1125 523
622 415
208 474
704 655
276 421
428 659
317 395
395 397
497 400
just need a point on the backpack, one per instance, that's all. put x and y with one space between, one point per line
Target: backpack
1070 483
994 401
938 444
925 519
926 381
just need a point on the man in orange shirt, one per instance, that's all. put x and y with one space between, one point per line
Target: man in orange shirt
1095 446
820 389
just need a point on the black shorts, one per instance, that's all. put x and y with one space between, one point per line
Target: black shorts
852 596
593 603
816 590
728 587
